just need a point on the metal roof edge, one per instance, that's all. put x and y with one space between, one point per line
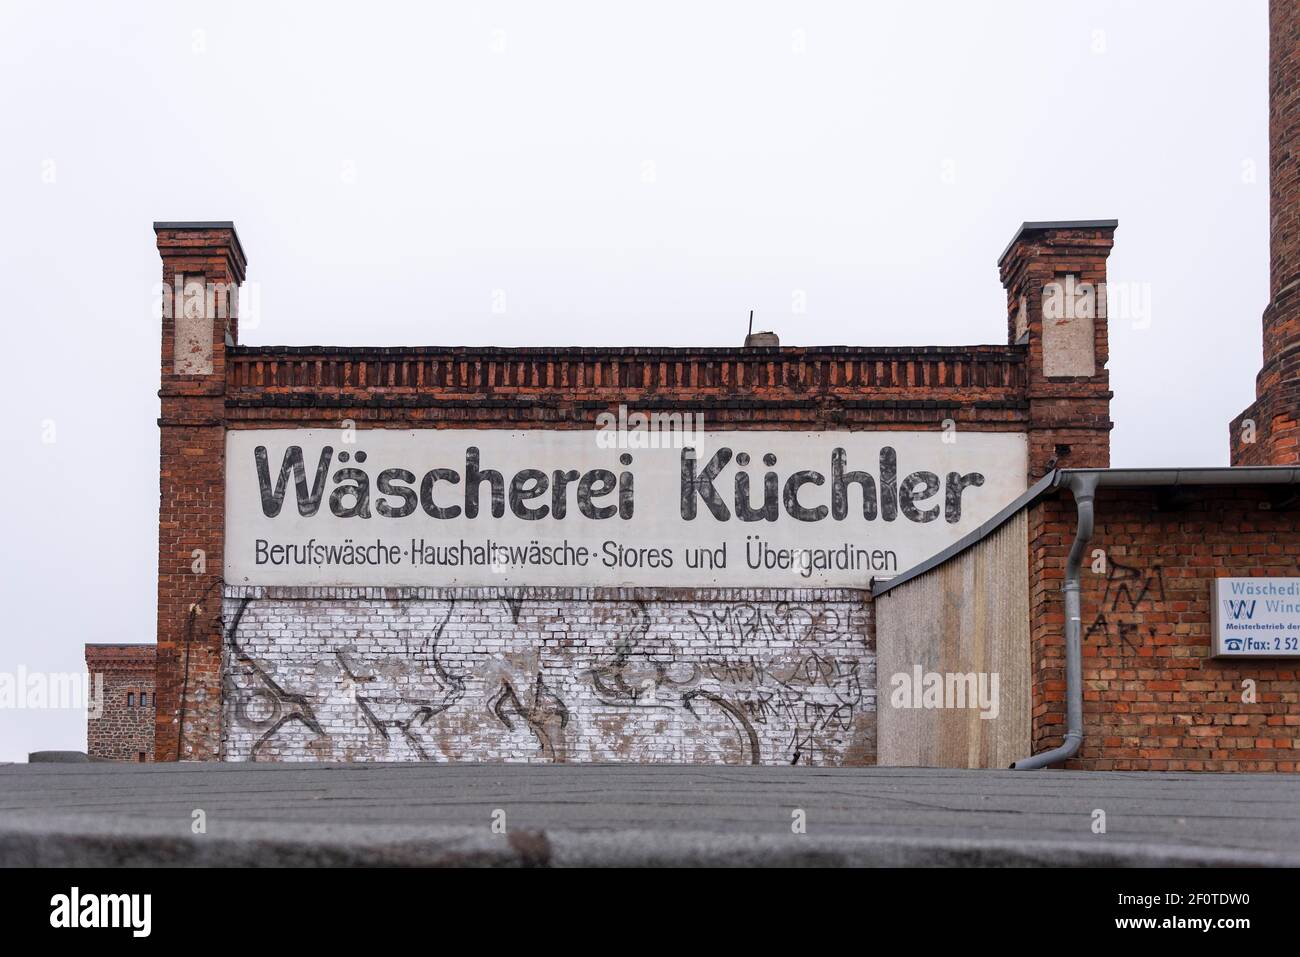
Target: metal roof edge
1216 476
1209 476
1043 487
1030 227
204 224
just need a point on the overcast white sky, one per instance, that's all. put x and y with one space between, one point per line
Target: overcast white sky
625 175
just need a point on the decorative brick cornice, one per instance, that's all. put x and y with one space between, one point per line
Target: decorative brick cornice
121 656
253 373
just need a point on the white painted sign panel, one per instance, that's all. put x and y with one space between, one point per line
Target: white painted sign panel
1257 617
595 508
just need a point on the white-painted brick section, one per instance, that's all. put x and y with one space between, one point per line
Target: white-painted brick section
486 674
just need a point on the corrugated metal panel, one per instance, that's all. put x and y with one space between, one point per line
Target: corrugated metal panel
967 622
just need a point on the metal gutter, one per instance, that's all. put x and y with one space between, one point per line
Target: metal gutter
1084 488
1114 478
1226 475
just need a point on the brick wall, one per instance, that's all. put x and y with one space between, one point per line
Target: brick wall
717 676
1268 433
1067 388
1154 699
191 512
208 391
124 727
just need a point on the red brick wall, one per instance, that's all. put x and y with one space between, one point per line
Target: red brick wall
1284 160
124 729
1273 420
1154 699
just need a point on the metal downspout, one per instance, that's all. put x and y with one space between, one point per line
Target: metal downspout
1084 487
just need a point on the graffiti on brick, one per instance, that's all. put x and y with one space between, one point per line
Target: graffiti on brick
406 679
750 620
389 711
1119 619
544 713
259 702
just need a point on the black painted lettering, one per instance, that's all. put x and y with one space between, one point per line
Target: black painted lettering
625 503
840 482
745 511
359 492
475 477
308 502
888 483
702 484
908 496
560 480
426 492
791 496
588 490
527 485
955 485
386 487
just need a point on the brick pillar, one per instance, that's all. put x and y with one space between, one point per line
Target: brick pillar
1055 277
203 265
1268 433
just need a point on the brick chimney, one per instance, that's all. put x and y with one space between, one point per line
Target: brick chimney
1055 277
1268 433
203 266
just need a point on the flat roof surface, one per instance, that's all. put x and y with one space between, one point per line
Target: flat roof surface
140 814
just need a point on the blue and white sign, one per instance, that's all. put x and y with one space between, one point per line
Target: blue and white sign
1256 617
